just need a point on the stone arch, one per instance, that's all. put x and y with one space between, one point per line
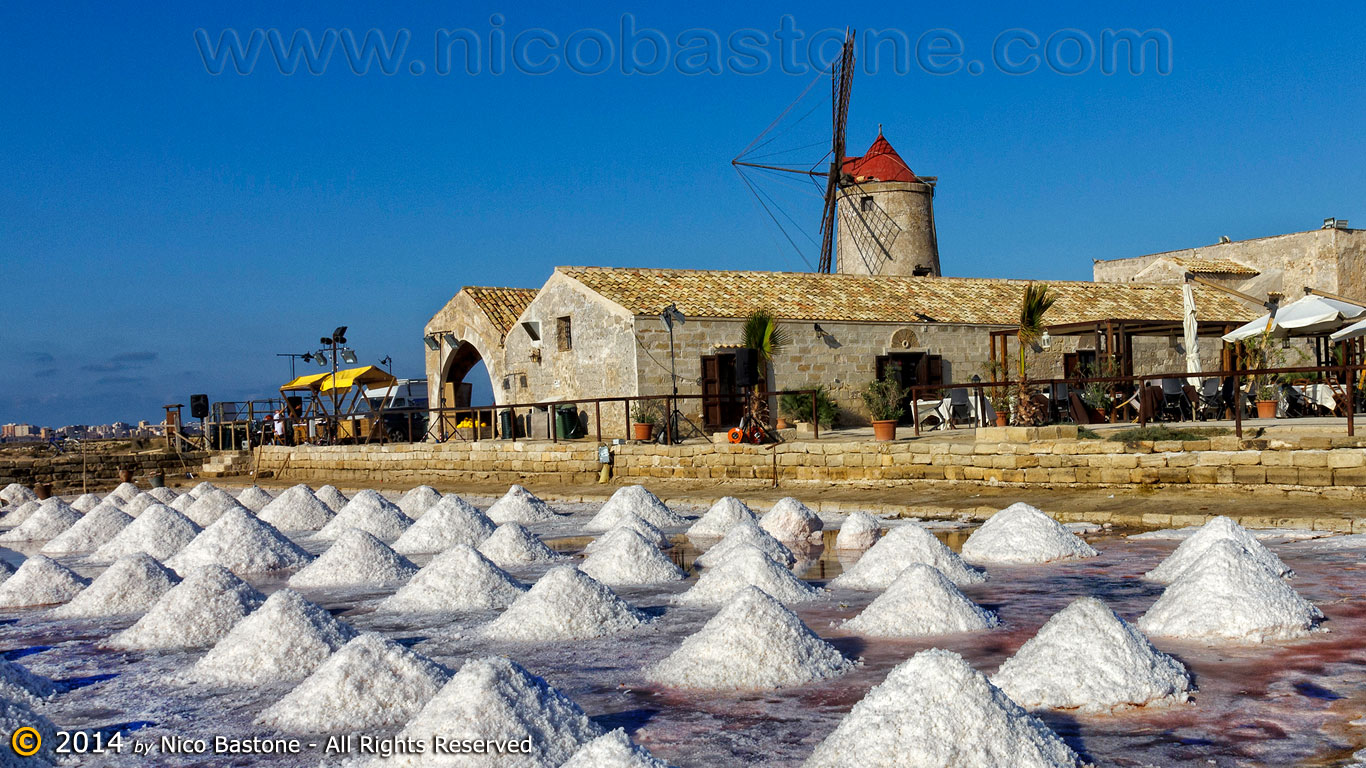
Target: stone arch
459 362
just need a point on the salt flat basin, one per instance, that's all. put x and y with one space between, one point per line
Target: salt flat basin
1280 704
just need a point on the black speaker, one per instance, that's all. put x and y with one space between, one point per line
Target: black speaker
746 367
199 406
296 406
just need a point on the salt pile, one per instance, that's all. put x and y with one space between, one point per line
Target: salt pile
747 533
355 558
1228 594
6 570
791 520
85 502
196 613
210 505
747 566
901 547
241 543
459 579
495 698
98 526
519 505
15 493
285 639
936 710
751 643
159 531
725 514
623 556
163 494
370 683
1194 548
1090 659
634 499
40 581
370 512
1022 535
921 602
254 498
50 518
449 522
297 509
329 495
417 501
182 502
613 750
15 715
511 544
641 526
135 505
858 531
565 604
131 585
19 684
19 514
125 491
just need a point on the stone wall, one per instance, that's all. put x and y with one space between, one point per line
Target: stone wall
418 463
99 470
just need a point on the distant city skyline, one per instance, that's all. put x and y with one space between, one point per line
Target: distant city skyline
169 230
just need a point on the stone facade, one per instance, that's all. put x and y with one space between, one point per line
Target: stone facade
99 471
886 228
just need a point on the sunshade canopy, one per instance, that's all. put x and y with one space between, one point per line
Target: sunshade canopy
1350 332
364 376
1308 316
309 381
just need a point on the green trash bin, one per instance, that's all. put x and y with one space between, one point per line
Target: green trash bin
505 425
567 426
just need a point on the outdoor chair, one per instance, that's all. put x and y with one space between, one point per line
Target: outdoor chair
1062 410
1081 412
1149 403
1176 406
1296 404
1211 401
960 408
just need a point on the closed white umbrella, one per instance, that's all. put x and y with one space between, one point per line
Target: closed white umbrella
1305 317
1191 327
1350 332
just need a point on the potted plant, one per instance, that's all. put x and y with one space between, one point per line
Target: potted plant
1035 303
762 334
643 421
998 396
883 399
797 407
1268 400
1261 352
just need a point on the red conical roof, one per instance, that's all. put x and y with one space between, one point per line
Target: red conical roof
880 163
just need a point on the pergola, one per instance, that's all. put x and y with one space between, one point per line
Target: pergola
1115 337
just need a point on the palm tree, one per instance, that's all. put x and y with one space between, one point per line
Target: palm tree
762 334
1033 306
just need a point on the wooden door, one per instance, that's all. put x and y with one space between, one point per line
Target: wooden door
722 400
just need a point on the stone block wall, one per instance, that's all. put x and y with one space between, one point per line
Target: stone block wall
413 464
99 470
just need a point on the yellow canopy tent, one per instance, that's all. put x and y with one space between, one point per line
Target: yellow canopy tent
364 376
308 381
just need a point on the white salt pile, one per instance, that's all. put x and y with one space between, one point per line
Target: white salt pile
641 526
1219 529
182 502
50 518
1229 594
519 505
936 710
6 570
859 530
85 502
725 514
449 522
210 505
285 639
159 531
297 509
19 684
565 604
370 683
623 556
125 491
19 514
746 566
1090 659
512 545
135 505
254 498
1022 535
496 699
417 501
751 643
370 512
16 493
613 750
634 499
96 527
196 613
163 494
329 495
791 520
131 585
921 602
748 534
356 558
40 581
241 543
901 547
459 579
15 715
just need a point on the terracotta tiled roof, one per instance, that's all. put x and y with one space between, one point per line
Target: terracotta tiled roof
1213 266
881 162
858 298
502 305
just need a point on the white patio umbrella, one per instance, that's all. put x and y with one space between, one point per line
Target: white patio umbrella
1350 332
1305 317
1191 328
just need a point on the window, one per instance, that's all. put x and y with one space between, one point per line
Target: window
533 329
564 338
866 203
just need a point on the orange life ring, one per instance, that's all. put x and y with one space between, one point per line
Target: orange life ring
736 435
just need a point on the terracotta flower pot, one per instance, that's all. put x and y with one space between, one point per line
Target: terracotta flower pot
125 475
782 422
884 429
43 491
1002 419
642 431
1266 409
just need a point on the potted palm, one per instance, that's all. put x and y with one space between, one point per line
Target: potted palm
643 421
883 397
762 334
1033 306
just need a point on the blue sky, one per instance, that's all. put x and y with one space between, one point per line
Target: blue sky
165 230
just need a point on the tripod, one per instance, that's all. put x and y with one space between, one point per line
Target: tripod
674 417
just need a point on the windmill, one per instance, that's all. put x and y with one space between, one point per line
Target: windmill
856 191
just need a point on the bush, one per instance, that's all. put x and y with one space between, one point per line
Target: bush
1164 432
883 399
798 407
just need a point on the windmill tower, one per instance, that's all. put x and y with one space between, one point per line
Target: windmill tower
886 216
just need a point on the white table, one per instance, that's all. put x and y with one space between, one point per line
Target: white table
941 408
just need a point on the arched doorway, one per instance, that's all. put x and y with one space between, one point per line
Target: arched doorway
455 391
